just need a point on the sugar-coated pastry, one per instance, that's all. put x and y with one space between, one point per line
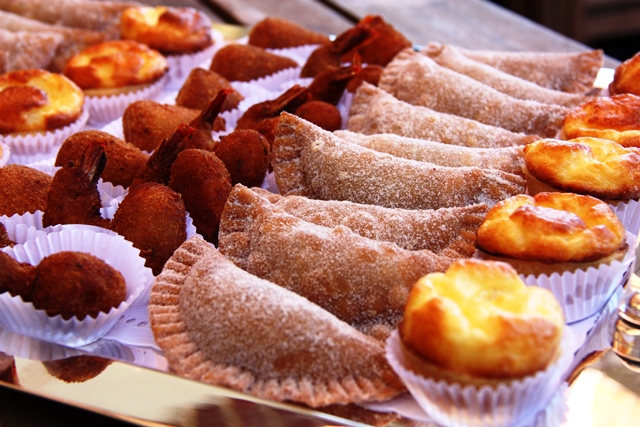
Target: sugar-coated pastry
116 66
593 166
169 30
24 50
36 100
625 78
269 335
616 118
552 228
374 111
478 323
419 80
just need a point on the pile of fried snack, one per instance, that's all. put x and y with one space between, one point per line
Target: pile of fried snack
381 206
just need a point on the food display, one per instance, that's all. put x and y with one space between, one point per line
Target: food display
331 223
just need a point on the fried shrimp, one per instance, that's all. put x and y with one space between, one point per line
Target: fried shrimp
153 218
16 277
73 197
203 85
23 189
245 153
124 159
204 183
205 121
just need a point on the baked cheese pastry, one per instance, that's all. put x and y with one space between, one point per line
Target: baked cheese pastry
625 77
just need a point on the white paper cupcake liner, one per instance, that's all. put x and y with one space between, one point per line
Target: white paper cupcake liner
584 292
181 65
21 317
450 404
5 153
20 225
300 54
629 215
104 109
26 149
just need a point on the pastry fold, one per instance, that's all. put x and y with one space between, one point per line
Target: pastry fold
221 325
24 50
419 80
573 72
450 57
308 161
445 231
375 111
363 282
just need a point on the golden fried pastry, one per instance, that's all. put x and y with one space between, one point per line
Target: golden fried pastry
446 231
76 369
103 16
16 277
450 57
23 189
361 281
308 161
153 218
169 30
116 66
625 78
77 284
203 182
37 101
72 41
201 86
124 159
480 308
246 155
25 50
238 62
147 123
273 32
508 159
573 72
269 338
552 232
374 111
73 196
593 166
418 80
614 118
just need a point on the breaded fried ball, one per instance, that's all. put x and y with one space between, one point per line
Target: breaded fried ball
322 114
16 277
204 183
202 86
153 218
76 369
243 63
123 158
245 153
23 189
77 284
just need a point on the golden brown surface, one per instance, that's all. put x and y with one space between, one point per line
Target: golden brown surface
418 80
374 111
76 369
446 231
201 86
23 189
361 281
237 62
16 277
77 284
386 44
615 118
480 320
124 159
35 100
552 228
593 166
311 162
269 335
246 155
277 33
115 64
625 78
169 30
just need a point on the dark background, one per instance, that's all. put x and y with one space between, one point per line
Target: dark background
611 25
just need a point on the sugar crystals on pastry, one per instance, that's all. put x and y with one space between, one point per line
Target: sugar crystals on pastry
311 162
418 80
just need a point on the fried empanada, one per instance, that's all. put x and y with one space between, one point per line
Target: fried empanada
221 325
508 159
361 281
375 111
450 57
25 50
446 231
308 161
419 80
573 72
